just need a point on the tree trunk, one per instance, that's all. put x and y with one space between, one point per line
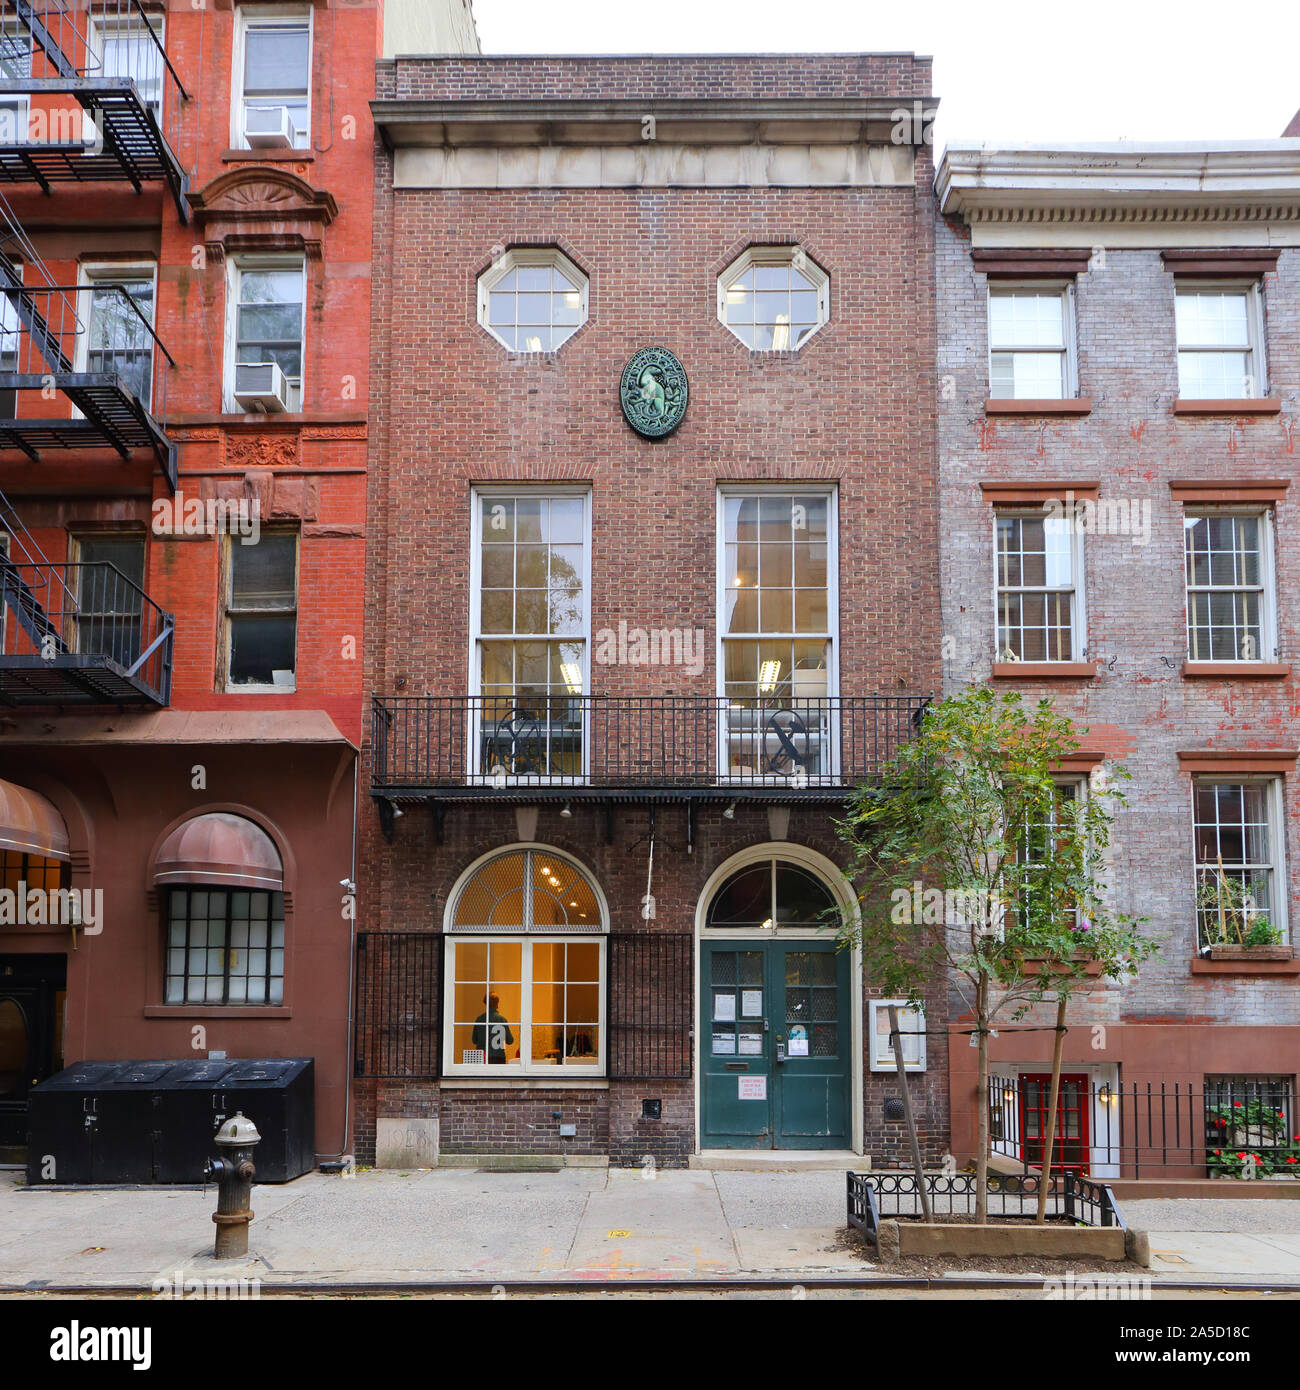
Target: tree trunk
896 1042
1045 1172
982 1104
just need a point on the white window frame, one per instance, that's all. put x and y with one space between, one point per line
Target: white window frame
882 1054
232 546
527 1069
1078 609
1258 375
101 27
235 268
1268 639
795 256
21 103
524 256
795 486
475 688
1069 350
90 274
266 16
1275 810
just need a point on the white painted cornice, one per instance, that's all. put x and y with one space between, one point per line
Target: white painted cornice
1252 181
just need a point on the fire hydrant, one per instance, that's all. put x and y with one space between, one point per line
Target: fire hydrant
233 1173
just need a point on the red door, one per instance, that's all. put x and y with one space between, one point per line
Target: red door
1070 1147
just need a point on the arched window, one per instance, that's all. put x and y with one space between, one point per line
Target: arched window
770 894
525 968
222 883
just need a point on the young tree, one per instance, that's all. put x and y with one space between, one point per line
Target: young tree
972 862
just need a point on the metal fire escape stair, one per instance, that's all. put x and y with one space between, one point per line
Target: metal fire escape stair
55 672
111 412
131 143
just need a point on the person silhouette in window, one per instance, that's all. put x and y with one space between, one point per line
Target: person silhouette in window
492 1031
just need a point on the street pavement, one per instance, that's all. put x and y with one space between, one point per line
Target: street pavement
575 1224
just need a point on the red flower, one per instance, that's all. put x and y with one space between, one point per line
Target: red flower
1242 1156
1237 1104
1223 1124
1293 1159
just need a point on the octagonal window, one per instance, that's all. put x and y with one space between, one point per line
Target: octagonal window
532 299
774 298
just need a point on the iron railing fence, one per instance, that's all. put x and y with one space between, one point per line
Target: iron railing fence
397 1009
88 91
1226 1127
82 615
615 741
650 989
876 1197
398 1005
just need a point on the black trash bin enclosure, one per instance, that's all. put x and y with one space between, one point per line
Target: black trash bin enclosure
154 1121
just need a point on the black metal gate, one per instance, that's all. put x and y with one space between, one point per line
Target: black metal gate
398 1008
650 1005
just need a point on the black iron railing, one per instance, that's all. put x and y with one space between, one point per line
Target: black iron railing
876 1197
81 634
397 1007
607 741
88 92
649 1004
1242 1127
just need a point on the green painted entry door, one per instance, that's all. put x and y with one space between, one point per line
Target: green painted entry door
775 1045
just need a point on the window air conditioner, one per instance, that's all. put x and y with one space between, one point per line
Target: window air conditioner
261 386
269 128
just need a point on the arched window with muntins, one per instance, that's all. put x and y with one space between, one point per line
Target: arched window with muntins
771 894
525 978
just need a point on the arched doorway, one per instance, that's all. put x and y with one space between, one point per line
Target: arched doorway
778 1023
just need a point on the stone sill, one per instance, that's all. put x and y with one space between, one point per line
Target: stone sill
267 156
523 1083
1005 405
217 1011
1201 966
1249 405
1044 670
1235 670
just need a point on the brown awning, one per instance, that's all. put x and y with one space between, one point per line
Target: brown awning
29 824
220 849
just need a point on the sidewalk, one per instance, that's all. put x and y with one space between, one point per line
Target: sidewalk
457 1224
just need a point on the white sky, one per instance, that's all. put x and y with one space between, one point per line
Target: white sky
1019 71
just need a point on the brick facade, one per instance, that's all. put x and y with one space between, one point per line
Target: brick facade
1169 1024
453 409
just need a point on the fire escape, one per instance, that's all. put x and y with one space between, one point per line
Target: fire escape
86 93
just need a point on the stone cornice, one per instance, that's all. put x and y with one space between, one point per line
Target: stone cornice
1255 181
693 121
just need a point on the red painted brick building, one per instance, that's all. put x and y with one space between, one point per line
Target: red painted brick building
637 619
1118 339
184 379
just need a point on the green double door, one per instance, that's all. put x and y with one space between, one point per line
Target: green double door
776 1040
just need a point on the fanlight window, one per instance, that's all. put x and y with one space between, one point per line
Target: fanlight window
769 895
528 891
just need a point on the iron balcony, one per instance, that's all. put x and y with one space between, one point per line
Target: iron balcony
84 634
669 747
68 110
104 359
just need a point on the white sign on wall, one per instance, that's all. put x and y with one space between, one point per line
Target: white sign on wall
911 1024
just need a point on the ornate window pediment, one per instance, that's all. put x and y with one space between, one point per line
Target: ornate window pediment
262 208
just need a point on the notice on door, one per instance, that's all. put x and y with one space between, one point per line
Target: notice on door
751 1044
752 1087
751 1003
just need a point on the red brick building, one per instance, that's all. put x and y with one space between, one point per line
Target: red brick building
184 378
652 579
1119 363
